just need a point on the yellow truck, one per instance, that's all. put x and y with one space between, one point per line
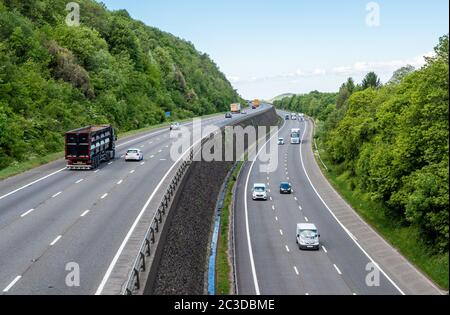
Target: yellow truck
256 104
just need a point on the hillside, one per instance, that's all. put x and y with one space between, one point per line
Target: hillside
280 97
110 69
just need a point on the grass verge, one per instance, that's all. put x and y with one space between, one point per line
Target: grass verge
21 167
223 267
406 239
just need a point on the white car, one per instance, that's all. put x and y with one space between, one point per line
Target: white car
259 192
134 155
175 126
308 236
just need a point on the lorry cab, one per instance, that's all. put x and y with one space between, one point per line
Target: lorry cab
308 236
295 136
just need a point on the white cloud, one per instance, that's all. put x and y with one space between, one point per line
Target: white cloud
363 67
357 69
233 79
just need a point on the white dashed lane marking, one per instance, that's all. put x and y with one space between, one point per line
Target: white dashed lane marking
55 240
85 213
104 196
338 270
16 279
120 182
287 249
27 213
57 194
79 181
296 271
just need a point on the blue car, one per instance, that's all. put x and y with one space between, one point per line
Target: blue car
285 188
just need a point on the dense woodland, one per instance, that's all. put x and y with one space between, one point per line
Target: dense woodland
110 69
393 141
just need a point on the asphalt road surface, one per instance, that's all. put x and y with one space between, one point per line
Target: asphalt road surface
51 217
268 260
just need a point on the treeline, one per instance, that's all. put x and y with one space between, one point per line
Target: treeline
110 69
393 141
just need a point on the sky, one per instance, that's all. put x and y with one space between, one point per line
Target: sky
270 47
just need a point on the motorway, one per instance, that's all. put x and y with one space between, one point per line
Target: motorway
51 217
268 260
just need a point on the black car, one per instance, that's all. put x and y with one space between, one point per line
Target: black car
287 117
285 188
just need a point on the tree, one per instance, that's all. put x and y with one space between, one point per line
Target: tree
371 80
401 73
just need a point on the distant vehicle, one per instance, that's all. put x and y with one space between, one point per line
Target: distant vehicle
134 155
87 147
287 117
280 141
294 116
259 192
228 115
308 236
301 116
256 104
295 136
175 126
244 112
235 108
285 188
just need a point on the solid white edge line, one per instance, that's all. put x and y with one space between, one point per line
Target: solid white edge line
12 284
247 225
339 222
30 184
56 240
135 223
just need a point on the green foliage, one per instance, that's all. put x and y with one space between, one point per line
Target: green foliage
392 142
371 81
111 69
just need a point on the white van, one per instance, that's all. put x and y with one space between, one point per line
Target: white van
295 136
308 236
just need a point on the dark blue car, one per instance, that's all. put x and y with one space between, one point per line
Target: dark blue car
285 188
